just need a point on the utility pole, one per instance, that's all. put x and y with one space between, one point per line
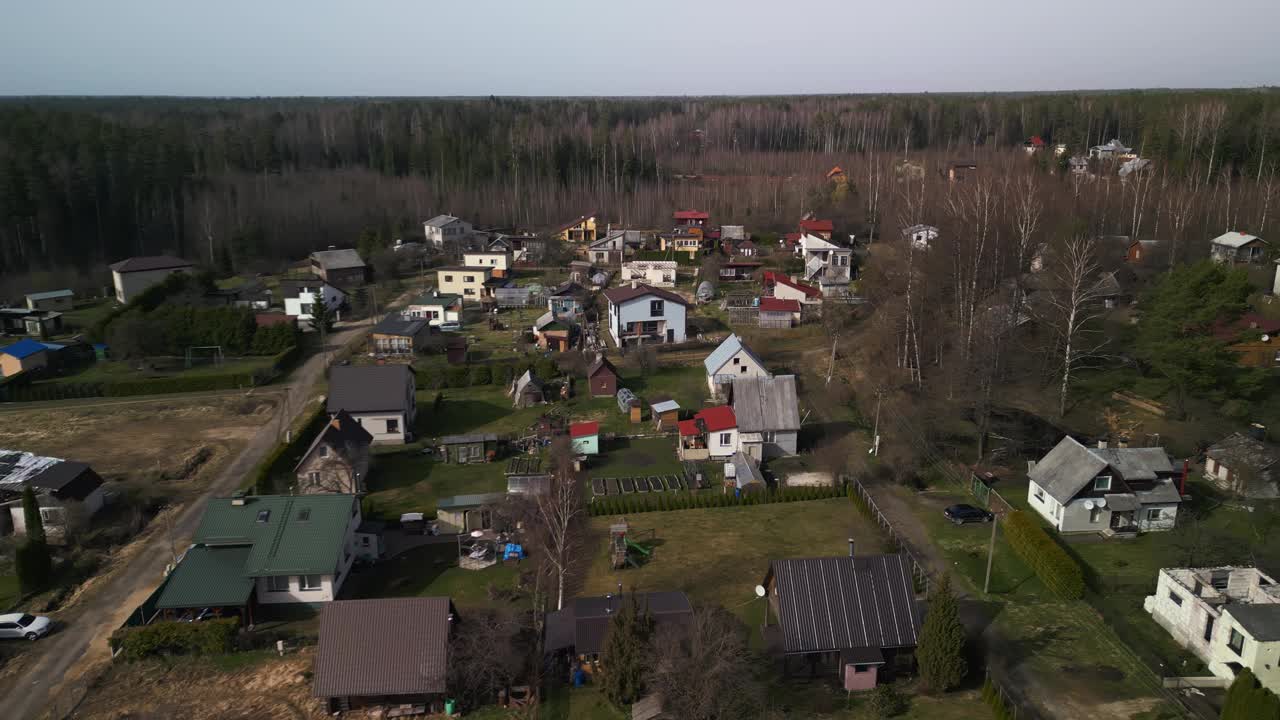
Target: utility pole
991 553
875 432
831 368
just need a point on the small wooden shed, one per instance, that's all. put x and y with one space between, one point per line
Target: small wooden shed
666 414
474 448
585 437
527 390
602 376
466 513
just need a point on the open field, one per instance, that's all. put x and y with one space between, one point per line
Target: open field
169 367
127 439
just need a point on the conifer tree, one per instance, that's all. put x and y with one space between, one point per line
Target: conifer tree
625 650
941 652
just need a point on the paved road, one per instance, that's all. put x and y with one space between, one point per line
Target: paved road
92 620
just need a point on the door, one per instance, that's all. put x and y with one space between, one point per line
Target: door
671 335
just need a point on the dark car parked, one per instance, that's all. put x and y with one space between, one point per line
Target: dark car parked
961 514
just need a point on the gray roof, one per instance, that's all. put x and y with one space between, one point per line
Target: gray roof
665 406
1234 239
369 388
468 439
766 403
1240 451
388 646
745 470
343 434
838 603
149 262
49 294
1261 620
440 221
1122 502
1070 467
473 500
338 259
725 351
396 324
527 380
584 622
1161 493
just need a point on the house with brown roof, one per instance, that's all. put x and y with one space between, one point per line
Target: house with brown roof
821 228
582 627
337 461
602 377
134 275
387 652
639 314
577 231
854 619
341 267
690 218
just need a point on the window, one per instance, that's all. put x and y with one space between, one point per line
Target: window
726 438
655 308
51 515
278 583
448 278
264 515
1095 514
469 278
324 451
1153 515
1208 628
468 291
393 426
1175 598
305 308
735 361
310 582
743 370
313 479
1039 494
304 514
1236 642
364 541
1102 482
768 436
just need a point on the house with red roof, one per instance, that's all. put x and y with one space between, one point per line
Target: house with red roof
585 437
690 218
780 286
779 312
711 433
1033 145
821 228
738 269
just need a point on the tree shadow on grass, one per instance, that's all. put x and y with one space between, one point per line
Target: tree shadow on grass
408 574
458 416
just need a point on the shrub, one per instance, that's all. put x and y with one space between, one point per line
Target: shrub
886 701
457 376
209 637
34 565
1055 568
481 375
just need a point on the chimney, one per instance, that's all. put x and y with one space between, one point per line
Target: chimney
336 422
851 547
634 283
238 498
1102 444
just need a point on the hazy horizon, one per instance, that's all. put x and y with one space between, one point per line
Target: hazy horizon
564 48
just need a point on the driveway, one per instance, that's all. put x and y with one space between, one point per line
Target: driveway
59 667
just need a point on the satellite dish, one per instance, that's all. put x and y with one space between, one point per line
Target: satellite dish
1102 502
1266 338
1088 504
759 591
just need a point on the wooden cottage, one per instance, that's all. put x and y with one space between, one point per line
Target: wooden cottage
602 376
473 448
527 390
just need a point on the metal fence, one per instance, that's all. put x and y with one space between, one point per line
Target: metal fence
918 569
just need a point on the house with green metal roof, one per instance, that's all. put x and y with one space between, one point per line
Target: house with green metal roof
437 307
264 550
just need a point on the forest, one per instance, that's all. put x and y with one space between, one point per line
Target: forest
88 181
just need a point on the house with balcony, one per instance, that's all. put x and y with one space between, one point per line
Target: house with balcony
607 251
399 334
821 228
471 283
711 433
1113 491
579 231
301 296
681 242
1238 248
1229 617
641 315
690 219
825 263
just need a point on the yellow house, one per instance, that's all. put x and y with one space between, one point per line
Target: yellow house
469 282
690 243
582 230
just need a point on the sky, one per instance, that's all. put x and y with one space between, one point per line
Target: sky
639 47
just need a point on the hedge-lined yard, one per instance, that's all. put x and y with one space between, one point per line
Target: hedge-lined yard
1051 563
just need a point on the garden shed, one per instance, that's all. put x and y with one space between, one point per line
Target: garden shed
527 390
585 437
467 513
602 376
473 448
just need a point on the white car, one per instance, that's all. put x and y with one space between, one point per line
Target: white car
22 625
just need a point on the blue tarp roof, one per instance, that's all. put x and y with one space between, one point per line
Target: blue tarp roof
23 348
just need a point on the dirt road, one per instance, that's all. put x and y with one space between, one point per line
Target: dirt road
57 677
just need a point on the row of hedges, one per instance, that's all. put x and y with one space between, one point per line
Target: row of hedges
500 374
657 502
1051 563
281 460
1000 708
209 637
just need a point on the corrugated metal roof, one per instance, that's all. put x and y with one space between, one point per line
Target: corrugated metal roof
24 348
149 262
289 535
208 577
584 429
1234 239
469 501
388 646
838 603
717 418
665 406
764 404
1069 467
583 624
338 259
745 471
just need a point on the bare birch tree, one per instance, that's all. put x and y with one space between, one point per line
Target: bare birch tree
1075 303
559 512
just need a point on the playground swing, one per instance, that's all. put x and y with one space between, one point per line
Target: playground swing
624 550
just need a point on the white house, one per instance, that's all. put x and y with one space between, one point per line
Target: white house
443 228
607 250
437 308
1108 490
920 236
1229 617
498 262
1112 150
379 397
784 288
825 263
711 433
57 484
136 274
639 314
655 273
1237 247
731 360
300 298
768 414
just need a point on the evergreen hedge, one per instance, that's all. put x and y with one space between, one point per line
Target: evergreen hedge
208 637
689 500
1055 568
1247 700
285 455
1000 709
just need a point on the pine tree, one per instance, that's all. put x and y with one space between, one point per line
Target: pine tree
31 515
941 653
624 653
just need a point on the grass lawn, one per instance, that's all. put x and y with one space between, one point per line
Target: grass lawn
645 456
84 316
112 370
408 481
432 570
719 555
9 591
